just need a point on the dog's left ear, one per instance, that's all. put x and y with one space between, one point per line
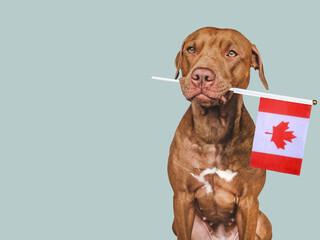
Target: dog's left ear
256 63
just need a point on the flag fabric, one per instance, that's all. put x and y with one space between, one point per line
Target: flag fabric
280 136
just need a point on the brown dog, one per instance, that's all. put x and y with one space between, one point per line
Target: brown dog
215 190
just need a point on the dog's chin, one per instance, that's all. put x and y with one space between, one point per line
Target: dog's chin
207 101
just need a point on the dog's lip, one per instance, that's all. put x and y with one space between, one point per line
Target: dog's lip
228 95
225 97
202 94
205 98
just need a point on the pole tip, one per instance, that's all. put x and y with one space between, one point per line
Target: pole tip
314 102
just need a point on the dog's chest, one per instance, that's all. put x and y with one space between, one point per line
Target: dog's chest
213 182
208 156
216 195
206 177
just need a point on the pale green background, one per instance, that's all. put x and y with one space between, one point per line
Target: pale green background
85 132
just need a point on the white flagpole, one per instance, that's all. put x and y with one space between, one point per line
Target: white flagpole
256 94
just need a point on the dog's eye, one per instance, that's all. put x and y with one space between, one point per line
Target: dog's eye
191 49
232 53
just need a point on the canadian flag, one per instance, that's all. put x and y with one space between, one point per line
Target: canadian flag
280 136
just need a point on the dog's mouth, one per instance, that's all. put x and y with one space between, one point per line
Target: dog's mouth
204 99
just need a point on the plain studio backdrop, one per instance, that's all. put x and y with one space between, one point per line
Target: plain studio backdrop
85 132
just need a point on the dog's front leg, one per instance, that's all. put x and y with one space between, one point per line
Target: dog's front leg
183 206
247 218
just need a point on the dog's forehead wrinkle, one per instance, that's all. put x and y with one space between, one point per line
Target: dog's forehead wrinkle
200 45
202 34
228 45
210 32
213 42
189 44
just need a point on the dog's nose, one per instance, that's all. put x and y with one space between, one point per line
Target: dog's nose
203 75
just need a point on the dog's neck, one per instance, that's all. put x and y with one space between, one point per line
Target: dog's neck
218 123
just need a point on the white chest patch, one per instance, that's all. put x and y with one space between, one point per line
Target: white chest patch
227 175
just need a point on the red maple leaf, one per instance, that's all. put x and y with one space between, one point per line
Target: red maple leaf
280 134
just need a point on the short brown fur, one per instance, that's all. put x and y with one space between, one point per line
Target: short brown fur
216 132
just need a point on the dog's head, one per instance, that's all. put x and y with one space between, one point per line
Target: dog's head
212 61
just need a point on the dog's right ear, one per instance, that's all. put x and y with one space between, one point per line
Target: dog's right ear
179 60
178 64
256 63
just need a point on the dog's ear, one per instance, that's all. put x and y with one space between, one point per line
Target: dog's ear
256 63
178 64
179 60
